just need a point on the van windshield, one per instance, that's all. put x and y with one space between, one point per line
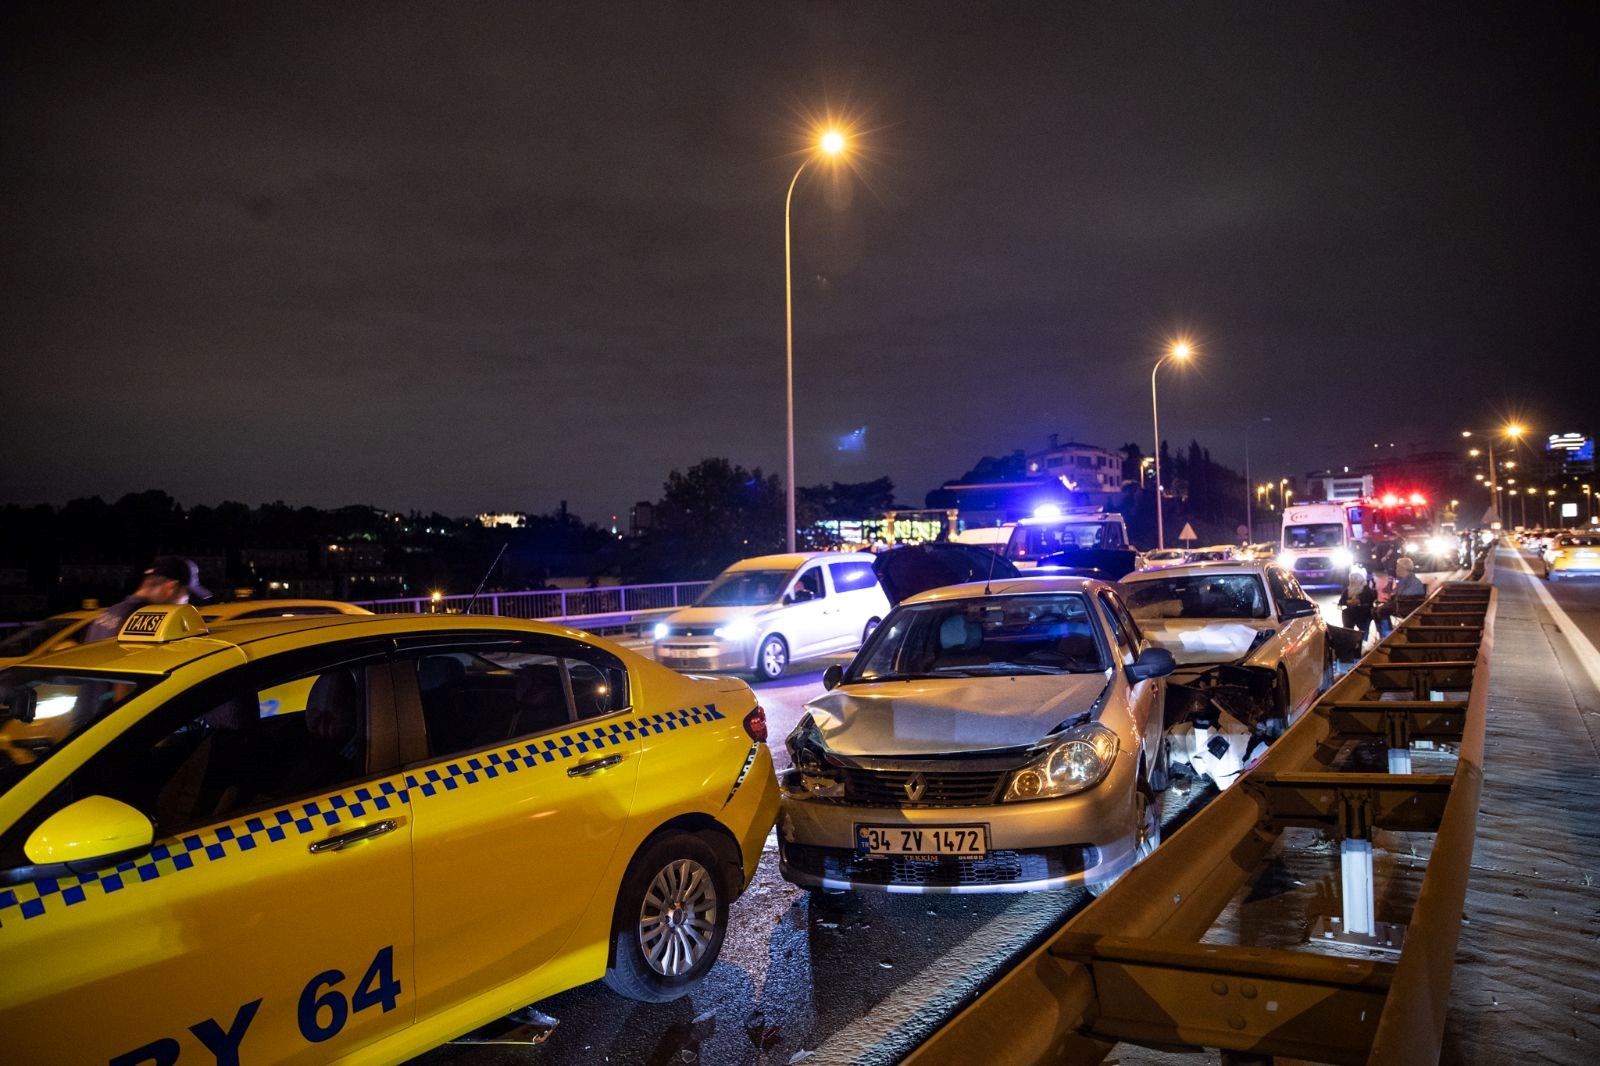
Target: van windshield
744 588
1319 535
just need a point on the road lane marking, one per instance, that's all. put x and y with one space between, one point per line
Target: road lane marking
1582 647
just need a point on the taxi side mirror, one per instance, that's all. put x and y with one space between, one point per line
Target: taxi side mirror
94 830
832 676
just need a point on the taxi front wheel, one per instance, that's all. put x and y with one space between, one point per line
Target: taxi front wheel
671 917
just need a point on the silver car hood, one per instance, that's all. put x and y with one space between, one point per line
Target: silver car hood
1198 640
951 714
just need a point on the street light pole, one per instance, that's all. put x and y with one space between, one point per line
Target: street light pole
831 143
1179 350
1249 512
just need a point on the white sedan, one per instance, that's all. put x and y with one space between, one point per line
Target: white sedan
1246 614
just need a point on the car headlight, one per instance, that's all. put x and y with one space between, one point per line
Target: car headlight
1081 760
738 629
1342 558
1411 547
1439 545
662 631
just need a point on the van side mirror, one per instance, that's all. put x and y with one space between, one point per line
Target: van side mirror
1152 662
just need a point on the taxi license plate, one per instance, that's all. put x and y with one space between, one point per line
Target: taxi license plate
931 841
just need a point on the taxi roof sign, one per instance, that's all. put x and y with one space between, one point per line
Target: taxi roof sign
159 624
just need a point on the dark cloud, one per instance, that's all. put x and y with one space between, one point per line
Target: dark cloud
500 255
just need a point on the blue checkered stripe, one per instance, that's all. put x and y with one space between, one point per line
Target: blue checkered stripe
171 857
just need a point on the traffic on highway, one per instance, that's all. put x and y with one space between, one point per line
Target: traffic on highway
836 771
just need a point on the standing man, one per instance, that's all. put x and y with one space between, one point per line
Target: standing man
170 579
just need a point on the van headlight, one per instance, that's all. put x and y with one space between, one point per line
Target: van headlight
1286 561
662 631
1439 545
1080 760
738 629
1342 559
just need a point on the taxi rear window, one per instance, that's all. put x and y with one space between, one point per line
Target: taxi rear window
42 710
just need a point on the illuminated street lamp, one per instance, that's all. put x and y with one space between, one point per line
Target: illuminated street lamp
1511 430
830 144
1179 351
1588 504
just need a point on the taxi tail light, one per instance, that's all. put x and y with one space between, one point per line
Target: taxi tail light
755 723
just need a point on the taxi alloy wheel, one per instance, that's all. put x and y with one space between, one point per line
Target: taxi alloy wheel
773 658
678 918
671 918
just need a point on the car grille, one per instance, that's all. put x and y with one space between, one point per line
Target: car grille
996 868
691 631
1313 562
887 788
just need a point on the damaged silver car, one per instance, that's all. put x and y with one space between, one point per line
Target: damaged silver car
998 735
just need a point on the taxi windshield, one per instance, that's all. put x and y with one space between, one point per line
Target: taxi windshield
988 636
745 588
41 710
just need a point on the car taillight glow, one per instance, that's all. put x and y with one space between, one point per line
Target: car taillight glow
755 723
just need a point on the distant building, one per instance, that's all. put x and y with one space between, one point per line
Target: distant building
1071 475
1080 467
1570 454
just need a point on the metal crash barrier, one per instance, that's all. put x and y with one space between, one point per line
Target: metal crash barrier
1133 965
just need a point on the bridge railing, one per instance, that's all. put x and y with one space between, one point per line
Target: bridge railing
1132 966
603 607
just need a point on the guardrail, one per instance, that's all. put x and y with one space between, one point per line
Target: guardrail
594 609
1131 965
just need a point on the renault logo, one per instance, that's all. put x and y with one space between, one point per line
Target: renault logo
916 785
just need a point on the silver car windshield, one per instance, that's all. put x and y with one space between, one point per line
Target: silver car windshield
745 588
1040 633
1197 596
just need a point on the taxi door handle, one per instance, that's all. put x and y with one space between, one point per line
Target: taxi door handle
355 836
584 769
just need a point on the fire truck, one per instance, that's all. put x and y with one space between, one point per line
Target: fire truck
1322 541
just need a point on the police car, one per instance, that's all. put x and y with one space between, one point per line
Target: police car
314 839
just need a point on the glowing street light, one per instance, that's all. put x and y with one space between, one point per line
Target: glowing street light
1512 430
830 144
1180 351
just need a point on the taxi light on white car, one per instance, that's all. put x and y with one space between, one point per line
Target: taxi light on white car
1342 558
738 629
1080 761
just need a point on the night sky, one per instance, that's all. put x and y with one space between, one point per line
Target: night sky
494 256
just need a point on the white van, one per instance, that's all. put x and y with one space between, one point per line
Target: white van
761 614
1316 545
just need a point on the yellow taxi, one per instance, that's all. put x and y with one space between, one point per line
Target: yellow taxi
44 636
462 816
69 628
